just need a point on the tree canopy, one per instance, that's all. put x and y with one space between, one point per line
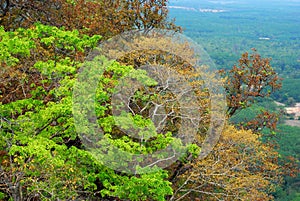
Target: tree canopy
43 149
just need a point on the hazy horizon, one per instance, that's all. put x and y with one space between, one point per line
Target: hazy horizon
226 3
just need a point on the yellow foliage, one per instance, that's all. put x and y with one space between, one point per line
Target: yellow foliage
240 167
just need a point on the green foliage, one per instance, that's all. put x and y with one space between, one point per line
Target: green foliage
150 185
21 41
46 156
249 113
13 43
34 133
226 35
288 140
42 154
290 89
125 136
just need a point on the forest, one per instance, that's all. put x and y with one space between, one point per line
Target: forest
109 100
272 28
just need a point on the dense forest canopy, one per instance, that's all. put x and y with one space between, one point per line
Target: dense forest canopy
65 70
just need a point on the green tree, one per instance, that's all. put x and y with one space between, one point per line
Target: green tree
42 155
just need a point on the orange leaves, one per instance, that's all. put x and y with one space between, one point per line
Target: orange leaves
253 77
265 119
239 168
4 158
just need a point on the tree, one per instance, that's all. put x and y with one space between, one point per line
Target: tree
43 157
32 163
240 167
25 48
107 18
253 77
47 59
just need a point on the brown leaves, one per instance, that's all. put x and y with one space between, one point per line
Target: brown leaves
265 119
253 77
4 158
106 18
